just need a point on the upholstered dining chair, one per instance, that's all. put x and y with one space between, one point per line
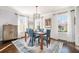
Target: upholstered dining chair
31 35
47 36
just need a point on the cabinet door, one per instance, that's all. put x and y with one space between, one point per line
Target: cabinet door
14 32
6 35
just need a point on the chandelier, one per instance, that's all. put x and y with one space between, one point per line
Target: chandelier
36 15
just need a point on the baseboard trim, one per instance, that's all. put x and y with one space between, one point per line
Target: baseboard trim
4 41
62 40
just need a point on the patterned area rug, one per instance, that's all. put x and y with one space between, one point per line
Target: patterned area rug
23 47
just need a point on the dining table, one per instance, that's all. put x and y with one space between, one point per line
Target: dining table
41 35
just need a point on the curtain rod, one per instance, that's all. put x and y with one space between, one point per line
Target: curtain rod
63 12
20 15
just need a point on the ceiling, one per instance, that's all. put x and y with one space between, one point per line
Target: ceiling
30 10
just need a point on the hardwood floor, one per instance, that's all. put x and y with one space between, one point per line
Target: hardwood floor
8 47
69 48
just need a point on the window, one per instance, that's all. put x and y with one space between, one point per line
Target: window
39 23
62 22
22 24
31 23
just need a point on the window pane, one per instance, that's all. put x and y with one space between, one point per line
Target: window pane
62 22
22 24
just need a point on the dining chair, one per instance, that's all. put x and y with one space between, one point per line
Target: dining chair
42 30
47 37
37 37
31 35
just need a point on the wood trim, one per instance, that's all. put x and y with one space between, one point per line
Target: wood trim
62 40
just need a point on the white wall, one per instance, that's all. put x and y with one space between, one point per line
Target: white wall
77 26
69 36
54 33
7 16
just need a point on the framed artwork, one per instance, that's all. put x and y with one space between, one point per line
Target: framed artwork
48 23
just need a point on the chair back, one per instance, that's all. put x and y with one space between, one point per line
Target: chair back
42 30
30 32
48 32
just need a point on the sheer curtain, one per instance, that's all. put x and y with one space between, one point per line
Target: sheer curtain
22 25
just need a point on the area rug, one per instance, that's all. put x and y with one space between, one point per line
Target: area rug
23 47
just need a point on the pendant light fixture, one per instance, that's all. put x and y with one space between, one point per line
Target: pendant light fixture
36 15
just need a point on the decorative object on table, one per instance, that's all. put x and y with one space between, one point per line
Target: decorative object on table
48 23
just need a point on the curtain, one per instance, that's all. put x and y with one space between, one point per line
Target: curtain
22 25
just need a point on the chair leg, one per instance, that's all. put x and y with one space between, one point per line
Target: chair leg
32 42
38 40
49 40
47 43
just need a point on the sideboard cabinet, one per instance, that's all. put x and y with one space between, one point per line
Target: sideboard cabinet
9 32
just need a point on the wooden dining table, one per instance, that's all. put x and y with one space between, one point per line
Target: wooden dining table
41 34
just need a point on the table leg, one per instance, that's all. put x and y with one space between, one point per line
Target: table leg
25 36
41 43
